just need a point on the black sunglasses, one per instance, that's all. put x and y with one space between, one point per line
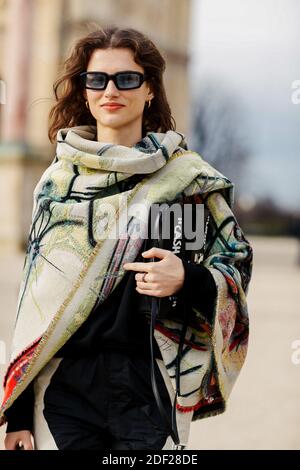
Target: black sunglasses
126 80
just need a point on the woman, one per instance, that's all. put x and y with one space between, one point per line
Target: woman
79 375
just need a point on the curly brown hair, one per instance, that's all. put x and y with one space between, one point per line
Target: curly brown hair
70 109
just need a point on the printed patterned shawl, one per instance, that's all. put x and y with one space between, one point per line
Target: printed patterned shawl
74 259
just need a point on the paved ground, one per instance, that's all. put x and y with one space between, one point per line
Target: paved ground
264 407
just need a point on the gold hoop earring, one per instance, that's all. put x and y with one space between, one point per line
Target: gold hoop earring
149 103
87 104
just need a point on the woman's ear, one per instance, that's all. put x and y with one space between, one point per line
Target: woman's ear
150 91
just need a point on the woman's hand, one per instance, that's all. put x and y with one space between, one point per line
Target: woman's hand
12 440
163 277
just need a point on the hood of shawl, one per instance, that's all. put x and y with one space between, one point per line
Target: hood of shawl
152 152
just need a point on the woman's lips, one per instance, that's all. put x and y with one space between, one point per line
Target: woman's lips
112 107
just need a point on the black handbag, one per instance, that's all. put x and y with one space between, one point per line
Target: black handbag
172 306
166 307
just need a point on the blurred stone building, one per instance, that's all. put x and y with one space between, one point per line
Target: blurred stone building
35 38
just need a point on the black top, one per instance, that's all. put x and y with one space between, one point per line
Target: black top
117 324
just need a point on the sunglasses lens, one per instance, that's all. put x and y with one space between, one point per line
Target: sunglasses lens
94 80
125 80
128 80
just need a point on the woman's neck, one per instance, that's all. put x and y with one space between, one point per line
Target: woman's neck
124 136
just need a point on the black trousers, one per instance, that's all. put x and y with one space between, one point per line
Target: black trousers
100 403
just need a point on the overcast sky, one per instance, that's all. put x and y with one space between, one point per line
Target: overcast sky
252 47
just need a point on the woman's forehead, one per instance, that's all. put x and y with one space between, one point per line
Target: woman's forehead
113 60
